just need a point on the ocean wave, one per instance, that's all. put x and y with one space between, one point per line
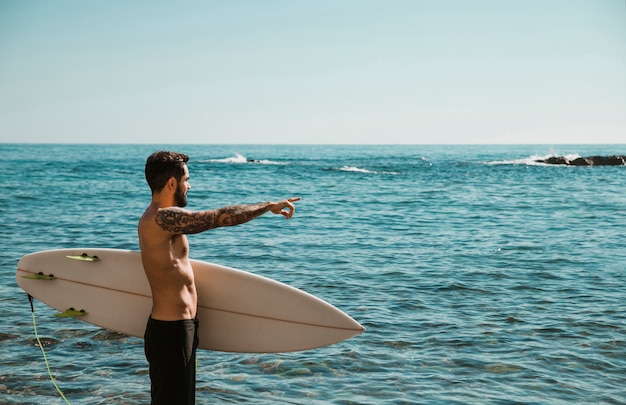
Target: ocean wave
361 170
239 158
533 160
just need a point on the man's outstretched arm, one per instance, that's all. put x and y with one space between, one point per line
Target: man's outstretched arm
179 221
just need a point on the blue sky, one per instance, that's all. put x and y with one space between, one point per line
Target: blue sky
300 72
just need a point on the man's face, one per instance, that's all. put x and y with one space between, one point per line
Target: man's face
180 198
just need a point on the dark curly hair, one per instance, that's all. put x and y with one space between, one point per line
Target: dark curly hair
163 165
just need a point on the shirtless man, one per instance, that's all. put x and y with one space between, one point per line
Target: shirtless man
171 336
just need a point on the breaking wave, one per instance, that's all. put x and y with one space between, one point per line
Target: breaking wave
239 159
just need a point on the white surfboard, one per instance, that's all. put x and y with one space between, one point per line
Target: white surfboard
238 311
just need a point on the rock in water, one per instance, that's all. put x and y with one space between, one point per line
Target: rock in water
615 160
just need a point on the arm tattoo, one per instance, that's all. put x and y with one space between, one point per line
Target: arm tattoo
239 214
181 221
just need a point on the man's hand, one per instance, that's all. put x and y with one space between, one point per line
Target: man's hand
285 207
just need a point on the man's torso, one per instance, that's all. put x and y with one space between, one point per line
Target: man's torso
165 258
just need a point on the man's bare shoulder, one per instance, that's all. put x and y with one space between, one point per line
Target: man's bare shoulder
172 221
148 228
147 219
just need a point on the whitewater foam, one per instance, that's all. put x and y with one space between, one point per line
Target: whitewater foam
239 158
533 160
360 170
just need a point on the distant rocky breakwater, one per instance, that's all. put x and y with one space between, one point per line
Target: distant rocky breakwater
615 160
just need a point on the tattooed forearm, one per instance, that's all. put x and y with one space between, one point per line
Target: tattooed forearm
180 221
239 214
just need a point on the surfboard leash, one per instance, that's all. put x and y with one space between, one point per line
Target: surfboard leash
45 358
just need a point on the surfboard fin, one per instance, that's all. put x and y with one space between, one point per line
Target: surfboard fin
71 313
85 257
40 276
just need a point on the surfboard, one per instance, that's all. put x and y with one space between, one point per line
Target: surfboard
238 311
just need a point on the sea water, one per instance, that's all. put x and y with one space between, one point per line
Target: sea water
481 276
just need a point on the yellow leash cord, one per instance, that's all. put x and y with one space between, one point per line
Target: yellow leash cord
32 308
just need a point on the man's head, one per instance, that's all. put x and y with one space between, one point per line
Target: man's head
163 166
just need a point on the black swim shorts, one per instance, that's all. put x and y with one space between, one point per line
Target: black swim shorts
170 348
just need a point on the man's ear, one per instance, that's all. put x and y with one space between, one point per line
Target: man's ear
172 184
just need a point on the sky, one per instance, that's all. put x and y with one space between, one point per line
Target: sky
313 72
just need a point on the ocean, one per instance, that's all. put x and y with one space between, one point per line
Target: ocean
481 276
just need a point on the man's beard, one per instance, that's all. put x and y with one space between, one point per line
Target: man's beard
180 198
